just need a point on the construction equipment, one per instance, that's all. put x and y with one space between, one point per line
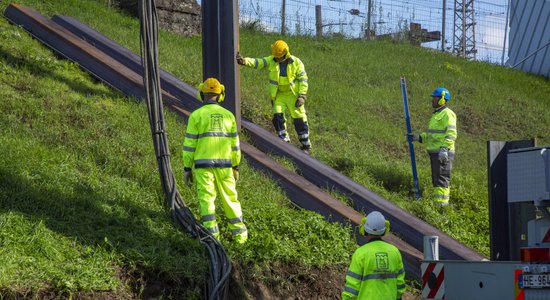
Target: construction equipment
528 182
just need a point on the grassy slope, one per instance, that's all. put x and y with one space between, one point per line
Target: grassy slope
355 108
81 207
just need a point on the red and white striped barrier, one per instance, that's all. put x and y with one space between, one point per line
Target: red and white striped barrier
433 283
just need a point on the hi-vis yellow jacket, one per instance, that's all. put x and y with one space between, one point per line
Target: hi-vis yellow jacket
211 138
441 131
376 273
295 70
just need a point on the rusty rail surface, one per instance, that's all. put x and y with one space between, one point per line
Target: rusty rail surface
121 69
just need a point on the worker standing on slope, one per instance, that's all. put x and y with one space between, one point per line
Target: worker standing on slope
376 271
212 145
287 87
440 142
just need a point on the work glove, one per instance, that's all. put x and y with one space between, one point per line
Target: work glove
188 177
236 173
443 155
301 100
415 137
240 59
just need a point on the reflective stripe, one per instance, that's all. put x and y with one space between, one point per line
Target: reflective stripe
451 127
236 148
189 149
273 82
354 275
452 138
191 136
238 231
351 290
374 276
292 83
235 220
304 136
441 196
436 131
265 62
302 80
379 276
281 132
301 74
255 63
213 229
208 218
213 163
224 134
401 286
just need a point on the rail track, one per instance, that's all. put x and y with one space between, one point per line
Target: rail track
121 69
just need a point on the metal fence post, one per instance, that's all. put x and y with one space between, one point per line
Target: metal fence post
318 21
283 18
443 26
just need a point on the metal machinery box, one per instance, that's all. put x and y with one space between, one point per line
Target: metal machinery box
529 175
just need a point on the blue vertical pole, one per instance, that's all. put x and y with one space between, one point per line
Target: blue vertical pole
409 137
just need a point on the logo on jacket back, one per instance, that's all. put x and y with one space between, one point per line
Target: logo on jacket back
216 122
382 261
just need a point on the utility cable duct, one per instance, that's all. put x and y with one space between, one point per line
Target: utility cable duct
220 264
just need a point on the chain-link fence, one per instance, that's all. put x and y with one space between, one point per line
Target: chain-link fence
375 18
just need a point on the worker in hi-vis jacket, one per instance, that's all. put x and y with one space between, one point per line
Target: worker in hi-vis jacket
287 88
440 143
211 145
376 271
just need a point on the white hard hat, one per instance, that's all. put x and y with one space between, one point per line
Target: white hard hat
375 224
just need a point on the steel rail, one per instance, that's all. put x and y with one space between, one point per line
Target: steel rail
118 72
409 227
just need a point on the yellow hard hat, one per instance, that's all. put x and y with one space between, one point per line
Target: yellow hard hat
280 49
211 86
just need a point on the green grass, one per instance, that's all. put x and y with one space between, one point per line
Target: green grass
81 206
357 125
79 176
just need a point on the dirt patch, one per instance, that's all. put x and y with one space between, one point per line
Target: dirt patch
287 282
247 282
290 282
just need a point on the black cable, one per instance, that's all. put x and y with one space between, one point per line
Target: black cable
220 265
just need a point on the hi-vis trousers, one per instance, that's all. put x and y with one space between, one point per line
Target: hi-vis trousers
287 100
441 179
213 181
